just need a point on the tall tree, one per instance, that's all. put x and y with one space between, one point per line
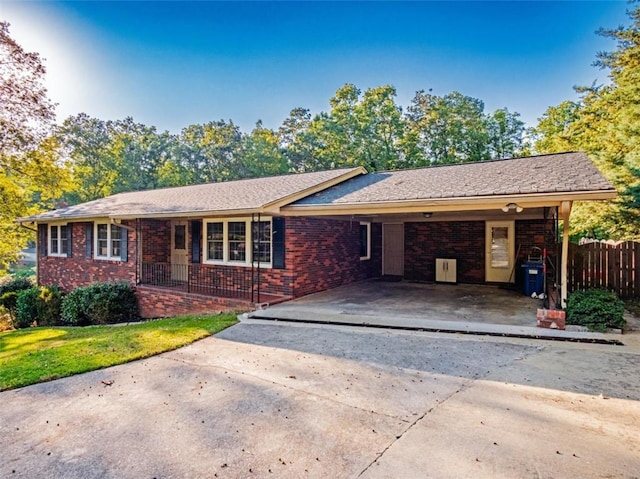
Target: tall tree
448 129
209 151
360 130
29 162
261 155
89 148
142 153
506 132
298 150
26 113
606 124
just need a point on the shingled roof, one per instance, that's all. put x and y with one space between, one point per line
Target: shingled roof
571 173
562 176
242 197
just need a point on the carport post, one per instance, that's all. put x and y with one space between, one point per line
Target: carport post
565 210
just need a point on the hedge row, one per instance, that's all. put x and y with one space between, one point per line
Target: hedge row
98 303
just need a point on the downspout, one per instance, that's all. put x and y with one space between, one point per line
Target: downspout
565 210
130 228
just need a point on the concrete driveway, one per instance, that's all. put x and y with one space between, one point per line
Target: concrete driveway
293 401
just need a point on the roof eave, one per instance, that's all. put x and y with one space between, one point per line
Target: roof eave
533 200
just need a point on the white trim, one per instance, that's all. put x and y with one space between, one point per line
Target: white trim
248 246
58 253
368 225
108 256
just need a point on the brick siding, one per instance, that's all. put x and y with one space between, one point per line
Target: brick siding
462 240
465 241
78 270
321 254
325 253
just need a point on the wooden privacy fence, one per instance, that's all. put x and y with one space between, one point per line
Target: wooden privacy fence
600 265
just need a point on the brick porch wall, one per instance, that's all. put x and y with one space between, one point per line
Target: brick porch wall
78 270
465 241
163 303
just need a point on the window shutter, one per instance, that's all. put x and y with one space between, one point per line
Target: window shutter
69 240
277 238
124 244
42 240
196 241
88 234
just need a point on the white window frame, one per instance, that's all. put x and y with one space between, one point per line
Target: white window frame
58 228
368 225
96 251
225 245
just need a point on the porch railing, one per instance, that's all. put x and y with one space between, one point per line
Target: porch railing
228 282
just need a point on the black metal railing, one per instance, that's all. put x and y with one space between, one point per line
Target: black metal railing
224 281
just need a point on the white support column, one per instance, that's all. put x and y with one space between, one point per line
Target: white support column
565 213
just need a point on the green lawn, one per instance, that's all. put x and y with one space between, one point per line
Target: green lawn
34 355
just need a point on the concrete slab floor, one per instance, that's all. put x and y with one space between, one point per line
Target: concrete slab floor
442 302
471 309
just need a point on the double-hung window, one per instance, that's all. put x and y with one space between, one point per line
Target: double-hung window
108 241
261 239
58 240
238 241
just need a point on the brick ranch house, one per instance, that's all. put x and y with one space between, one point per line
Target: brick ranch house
234 244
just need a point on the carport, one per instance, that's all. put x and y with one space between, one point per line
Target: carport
475 223
463 308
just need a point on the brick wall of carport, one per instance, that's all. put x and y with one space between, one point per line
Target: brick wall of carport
465 241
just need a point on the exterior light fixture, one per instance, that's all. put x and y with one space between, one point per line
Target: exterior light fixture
512 206
427 215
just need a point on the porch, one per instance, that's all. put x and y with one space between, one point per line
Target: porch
167 289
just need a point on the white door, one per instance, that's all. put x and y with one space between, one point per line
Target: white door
393 249
179 252
500 254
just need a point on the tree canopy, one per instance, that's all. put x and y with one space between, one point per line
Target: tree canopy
605 123
31 176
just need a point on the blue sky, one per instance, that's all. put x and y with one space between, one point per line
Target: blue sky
174 64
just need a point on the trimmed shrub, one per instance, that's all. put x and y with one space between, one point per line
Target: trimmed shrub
15 284
100 303
8 302
598 309
49 305
9 293
73 308
26 308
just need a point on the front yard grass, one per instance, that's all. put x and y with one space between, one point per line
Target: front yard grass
34 355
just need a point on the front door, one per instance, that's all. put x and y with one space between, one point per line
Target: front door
179 254
393 249
500 254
